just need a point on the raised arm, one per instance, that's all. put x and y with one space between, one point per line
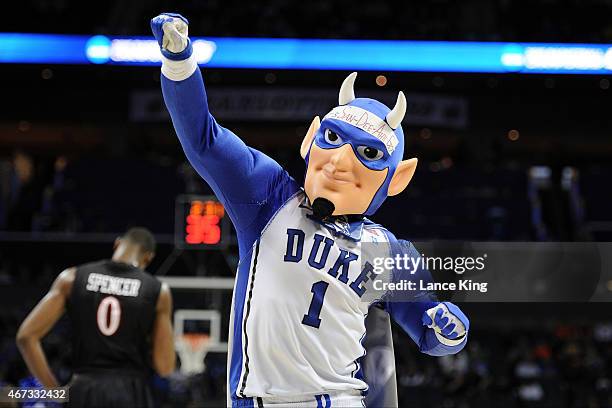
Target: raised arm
38 323
243 178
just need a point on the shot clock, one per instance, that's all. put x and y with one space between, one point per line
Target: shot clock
201 223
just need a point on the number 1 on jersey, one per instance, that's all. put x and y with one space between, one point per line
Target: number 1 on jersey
318 293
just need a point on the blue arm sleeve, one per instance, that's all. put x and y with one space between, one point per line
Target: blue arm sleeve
245 180
406 308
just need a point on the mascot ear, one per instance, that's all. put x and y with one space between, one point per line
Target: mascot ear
402 176
312 130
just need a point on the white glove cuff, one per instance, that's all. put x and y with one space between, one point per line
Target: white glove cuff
179 70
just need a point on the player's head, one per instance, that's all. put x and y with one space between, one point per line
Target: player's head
137 244
354 156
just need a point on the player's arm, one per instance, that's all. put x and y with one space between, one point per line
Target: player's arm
241 177
438 328
164 358
38 323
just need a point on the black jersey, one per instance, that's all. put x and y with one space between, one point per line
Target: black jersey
112 308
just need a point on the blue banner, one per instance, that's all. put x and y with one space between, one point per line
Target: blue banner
284 53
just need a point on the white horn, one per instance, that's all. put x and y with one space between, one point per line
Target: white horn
395 117
347 92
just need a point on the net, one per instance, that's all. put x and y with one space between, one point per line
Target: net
192 349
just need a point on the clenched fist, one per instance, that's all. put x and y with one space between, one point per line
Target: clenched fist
170 31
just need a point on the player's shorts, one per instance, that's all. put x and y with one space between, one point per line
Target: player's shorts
339 400
109 390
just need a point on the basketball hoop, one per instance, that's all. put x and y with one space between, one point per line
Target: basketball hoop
192 348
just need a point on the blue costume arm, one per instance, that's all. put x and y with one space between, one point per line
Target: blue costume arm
408 315
244 179
407 308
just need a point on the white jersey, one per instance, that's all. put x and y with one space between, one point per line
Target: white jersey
303 317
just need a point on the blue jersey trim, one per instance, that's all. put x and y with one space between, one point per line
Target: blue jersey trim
240 294
243 403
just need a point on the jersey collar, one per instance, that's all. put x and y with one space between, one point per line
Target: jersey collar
347 226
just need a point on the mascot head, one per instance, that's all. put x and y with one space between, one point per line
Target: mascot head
354 156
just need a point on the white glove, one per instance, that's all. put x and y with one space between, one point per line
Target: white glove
449 323
171 32
175 36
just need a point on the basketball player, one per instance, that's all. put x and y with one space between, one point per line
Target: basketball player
121 321
301 293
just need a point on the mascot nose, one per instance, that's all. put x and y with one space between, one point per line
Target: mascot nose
342 157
